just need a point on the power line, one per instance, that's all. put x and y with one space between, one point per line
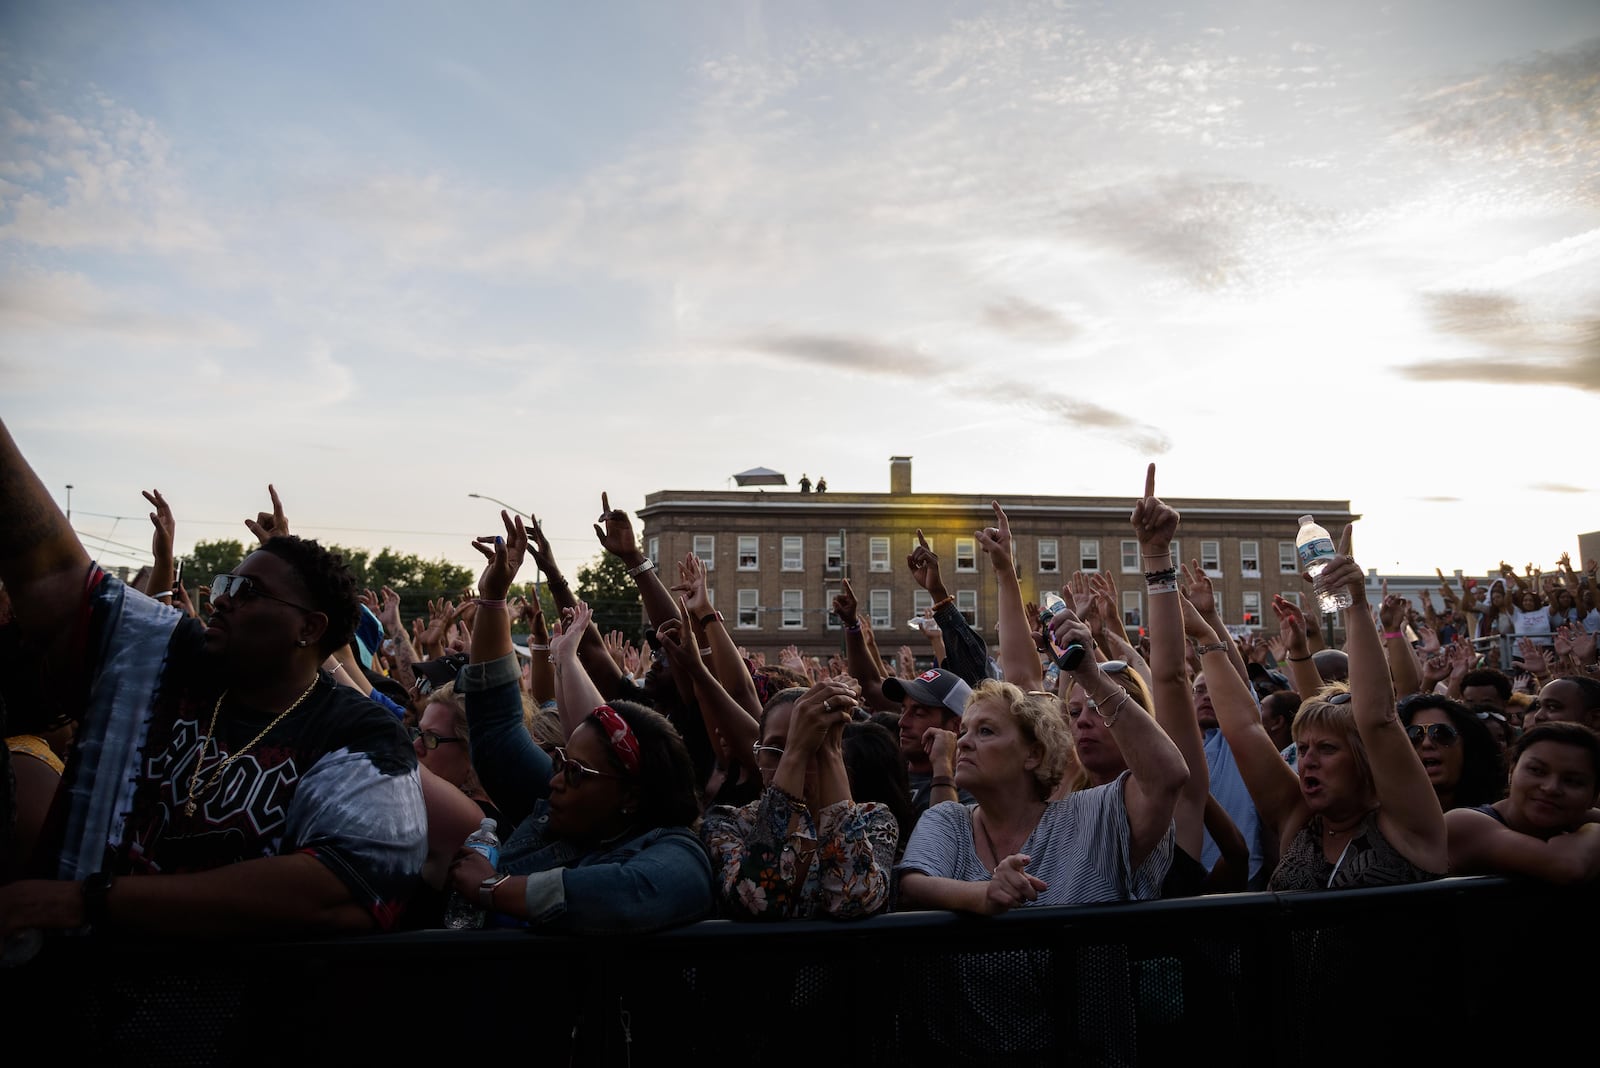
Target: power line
320 526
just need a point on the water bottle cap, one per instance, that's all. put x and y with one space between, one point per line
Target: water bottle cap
1307 519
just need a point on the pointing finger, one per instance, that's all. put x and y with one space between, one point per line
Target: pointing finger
921 541
1150 481
1344 541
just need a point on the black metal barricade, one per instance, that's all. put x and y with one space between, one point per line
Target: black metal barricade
1341 978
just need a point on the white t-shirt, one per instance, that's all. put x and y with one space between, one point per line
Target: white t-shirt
1532 624
1080 849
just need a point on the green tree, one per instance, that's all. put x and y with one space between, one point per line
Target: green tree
209 559
605 586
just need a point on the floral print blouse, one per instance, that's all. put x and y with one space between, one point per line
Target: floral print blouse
773 860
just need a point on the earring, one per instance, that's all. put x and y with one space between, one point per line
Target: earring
301 643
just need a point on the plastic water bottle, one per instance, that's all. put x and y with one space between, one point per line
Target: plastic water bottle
21 947
459 913
1315 549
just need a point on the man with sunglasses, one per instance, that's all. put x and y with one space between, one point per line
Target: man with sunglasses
240 790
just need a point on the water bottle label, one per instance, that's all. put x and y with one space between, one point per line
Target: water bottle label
492 853
1314 550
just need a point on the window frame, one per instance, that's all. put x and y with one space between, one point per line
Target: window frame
798 543
1054 562
1244 607
885 620
799 610
833 553
1215 561
970 597
754 545
1138 608
754 608
1086 561
1288 562
874 563
967 564
708 554
1130 546
1246 557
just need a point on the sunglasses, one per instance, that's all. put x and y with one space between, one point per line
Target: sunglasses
1441 734
1114 667
1340 698
242 589
766 755
430 739
572 771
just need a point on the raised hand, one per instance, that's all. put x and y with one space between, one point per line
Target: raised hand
1430 640
1582 642
940 745
1194 624
924 565
1344 573
631 660
617 536
370 600
905 662
691 586
1154 523
504 558
1461 658
844 604
677 638
1435 669
789 657
1278 648
1392 610
1194 585
539 549
613 642
1078 593
180 601
269 525
166 526
996 540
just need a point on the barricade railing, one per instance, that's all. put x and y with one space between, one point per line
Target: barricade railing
1235 979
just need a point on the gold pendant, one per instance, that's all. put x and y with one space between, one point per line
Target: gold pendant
188 810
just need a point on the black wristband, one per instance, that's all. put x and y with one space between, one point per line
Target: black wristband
710 618
95 889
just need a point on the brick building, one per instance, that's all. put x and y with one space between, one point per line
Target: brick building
775 559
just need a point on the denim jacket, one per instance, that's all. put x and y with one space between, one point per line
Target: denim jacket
660 878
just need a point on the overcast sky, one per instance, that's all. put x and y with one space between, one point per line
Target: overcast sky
385 255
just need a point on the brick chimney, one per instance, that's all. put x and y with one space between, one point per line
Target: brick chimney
900 476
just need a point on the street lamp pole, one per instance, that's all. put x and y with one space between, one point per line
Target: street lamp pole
526 515
69 502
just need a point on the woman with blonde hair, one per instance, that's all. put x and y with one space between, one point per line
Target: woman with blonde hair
1017 847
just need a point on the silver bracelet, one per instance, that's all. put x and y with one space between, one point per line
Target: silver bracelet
647 565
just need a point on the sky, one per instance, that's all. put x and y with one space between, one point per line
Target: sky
387 255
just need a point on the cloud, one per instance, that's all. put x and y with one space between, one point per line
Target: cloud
1029 321
1532 347
55 303
869 356
1558 487
1438 499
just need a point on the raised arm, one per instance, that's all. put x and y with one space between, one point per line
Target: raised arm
162 572
863 664
729 718
726 663
576 693
1303 673
1019 657
1155 523
1196 588
1159 773
1410 814
967 656
1402 660
42 563
1273 786
617 539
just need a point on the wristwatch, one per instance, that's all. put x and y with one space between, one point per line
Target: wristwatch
486 891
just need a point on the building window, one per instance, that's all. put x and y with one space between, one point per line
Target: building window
1132 610
1089 554
794 610
966 554
1130 556
835 553
793 554
1211 558
1292 596
1288 564
1250 559
1049 555
833 619
749 609
879 605
878 554
967 605
1252 608
921 601
749 552
705 547
1177 555
652 549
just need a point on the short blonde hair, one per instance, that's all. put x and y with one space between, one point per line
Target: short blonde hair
1321 713
1043 728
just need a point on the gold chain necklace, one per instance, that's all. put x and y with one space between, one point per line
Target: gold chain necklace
211 731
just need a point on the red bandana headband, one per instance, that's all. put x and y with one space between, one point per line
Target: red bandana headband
619 736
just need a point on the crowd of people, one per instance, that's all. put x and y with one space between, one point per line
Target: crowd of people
290 757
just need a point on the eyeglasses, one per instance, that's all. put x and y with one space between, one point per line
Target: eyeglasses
572 771
1440 734
762 754
242 589
430 739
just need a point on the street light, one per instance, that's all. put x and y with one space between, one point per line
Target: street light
69 502
486 497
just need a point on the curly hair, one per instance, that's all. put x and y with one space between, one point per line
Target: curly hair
1043 729
331 586
1483 777
668 793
